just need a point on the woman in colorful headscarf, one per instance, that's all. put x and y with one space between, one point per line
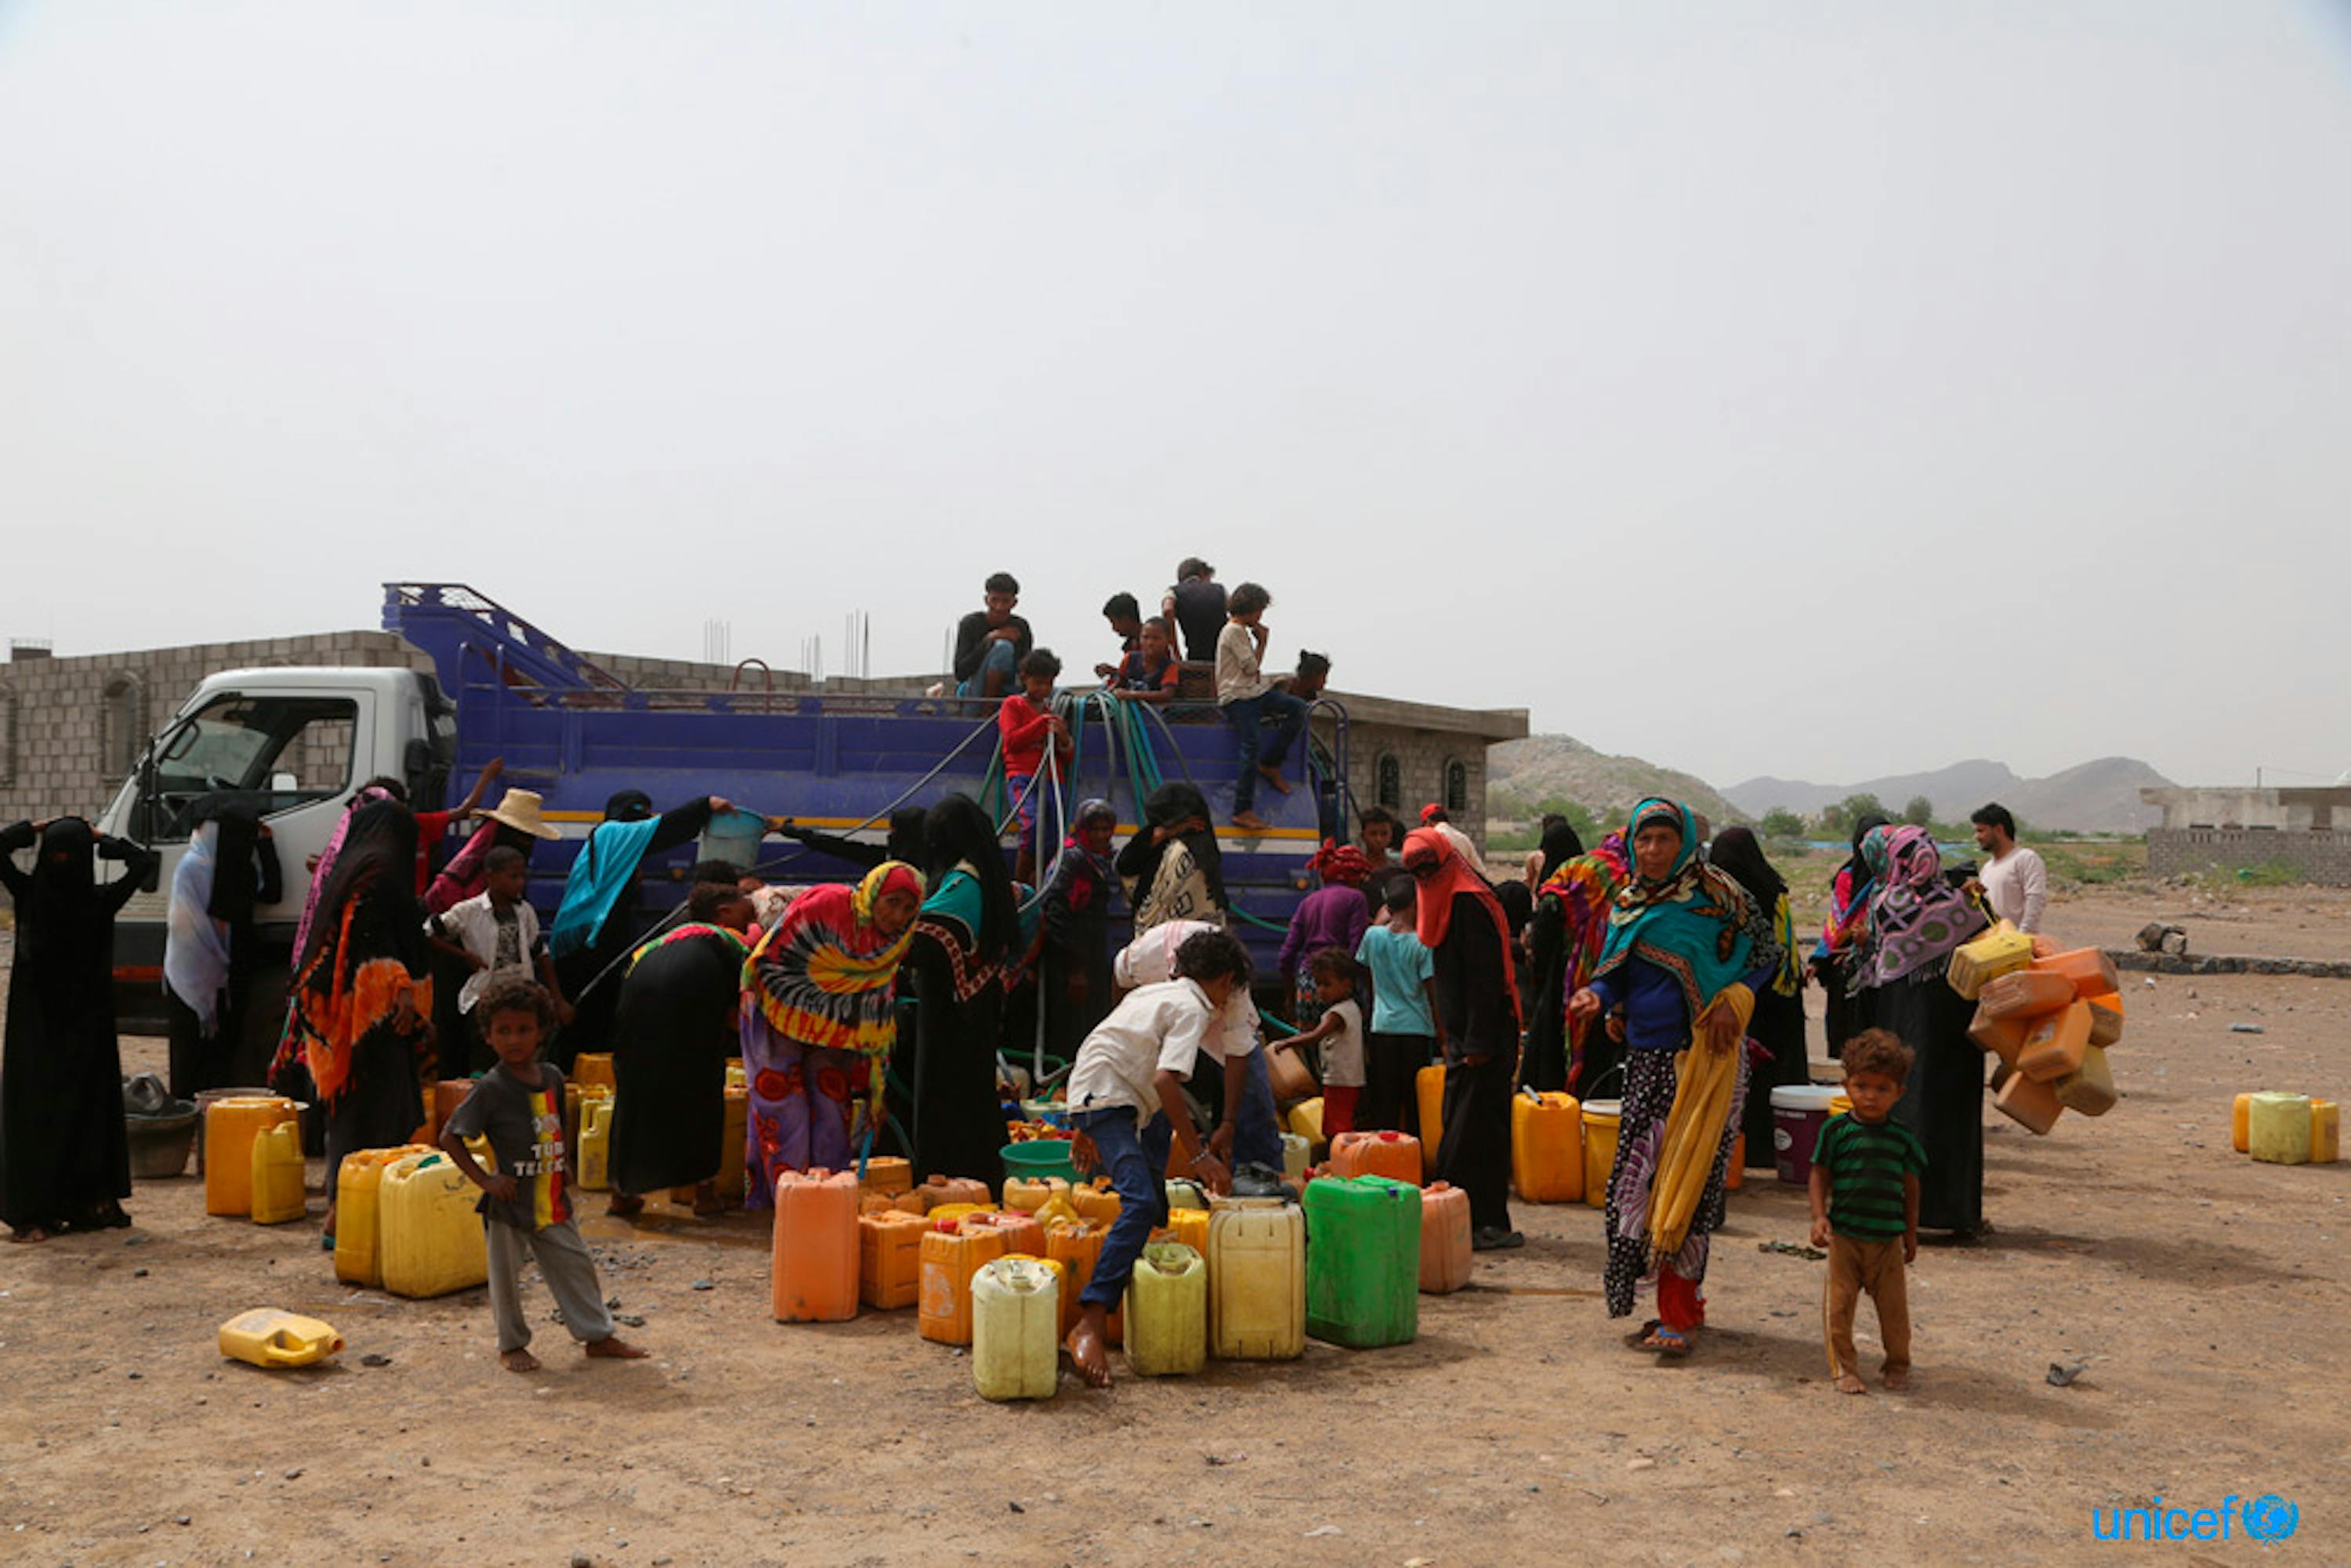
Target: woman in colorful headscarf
1070 951
1571 926
596 925
672 1034
361 1006
1173 868
65 1160
1333 915
1916 918
1687 951
1843 936
1468 941
966 937
1776 1029
820 1016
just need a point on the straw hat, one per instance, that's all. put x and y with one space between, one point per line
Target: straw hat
519 809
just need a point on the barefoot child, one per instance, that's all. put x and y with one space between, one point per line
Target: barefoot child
527 1206
1126 1101
1340 1032
1865 1193
1249 698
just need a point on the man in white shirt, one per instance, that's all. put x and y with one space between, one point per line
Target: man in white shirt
2012 880
1251 1132
1126 1103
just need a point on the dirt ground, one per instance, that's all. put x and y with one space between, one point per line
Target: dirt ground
2206 1295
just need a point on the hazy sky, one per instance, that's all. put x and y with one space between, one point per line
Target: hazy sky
1814 390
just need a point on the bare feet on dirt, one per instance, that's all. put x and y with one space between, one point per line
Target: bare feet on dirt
517 1361
613 1348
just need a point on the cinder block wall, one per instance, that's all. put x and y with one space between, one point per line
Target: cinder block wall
2321 857
1422 762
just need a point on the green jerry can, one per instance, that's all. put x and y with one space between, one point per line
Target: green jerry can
1363 1261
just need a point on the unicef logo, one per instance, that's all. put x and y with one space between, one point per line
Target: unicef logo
2270 1517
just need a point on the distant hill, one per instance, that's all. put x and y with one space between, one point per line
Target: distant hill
2097 797
1542 766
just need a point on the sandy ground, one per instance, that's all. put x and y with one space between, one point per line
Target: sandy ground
2207 1295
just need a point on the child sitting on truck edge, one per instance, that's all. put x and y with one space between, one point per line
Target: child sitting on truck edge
1249 698
527 1206
1865 1192
1126 1101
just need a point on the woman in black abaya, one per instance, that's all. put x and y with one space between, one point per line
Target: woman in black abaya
64 1157
965 936
675 1027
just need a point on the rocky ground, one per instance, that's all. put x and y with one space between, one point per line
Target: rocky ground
2203 1296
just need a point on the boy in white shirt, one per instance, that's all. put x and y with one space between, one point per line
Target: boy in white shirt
1247 697
1126 1101
1251 1132
496 933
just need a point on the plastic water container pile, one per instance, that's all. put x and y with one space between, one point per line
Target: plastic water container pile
2049 1018
1238 1280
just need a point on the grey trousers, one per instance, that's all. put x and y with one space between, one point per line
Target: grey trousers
570 1272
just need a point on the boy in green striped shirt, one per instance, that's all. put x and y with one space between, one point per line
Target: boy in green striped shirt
1865 1192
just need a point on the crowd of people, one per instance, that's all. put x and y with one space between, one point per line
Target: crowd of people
1660 969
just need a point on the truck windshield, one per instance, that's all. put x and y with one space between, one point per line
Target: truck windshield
280 751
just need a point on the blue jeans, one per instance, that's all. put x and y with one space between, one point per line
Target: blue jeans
1289 714
1136 1158
1256 1134
1000 659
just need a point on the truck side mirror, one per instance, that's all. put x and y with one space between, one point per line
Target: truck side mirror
153 877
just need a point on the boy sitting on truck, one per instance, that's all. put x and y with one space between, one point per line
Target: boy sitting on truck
527 1206
1126 1101
991 641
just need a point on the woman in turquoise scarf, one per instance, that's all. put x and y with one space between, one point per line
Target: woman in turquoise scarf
1687 951
965 940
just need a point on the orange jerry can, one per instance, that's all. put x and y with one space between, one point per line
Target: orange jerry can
1428 1092
1547 1146
2106 1018
2031 1103
2025 993
2091 972
2002 1036
1445 1255
2055 1045
813 1261
1076 1248
592 1067
890 1258
942 1189
230 1127
447 1095
1395 1155
1022 1232
949 1259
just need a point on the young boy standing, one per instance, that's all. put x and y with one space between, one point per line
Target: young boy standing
1026 724
1865 1192
496 933
1249 697
1403 1014
1126 1101
1340 1032
527 1207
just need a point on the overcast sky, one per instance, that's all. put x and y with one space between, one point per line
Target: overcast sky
1824 391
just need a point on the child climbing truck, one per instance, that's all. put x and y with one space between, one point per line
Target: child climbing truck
1126 1101
527 1207
1865 1193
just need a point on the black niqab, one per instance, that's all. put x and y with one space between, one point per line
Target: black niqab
957 831
1561 844
1169 805
1735 851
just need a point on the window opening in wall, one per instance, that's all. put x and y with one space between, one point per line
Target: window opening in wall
1457 787
1391 781
121 726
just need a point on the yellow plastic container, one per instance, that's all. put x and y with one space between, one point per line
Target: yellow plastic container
1058 1212
1015 1342
356 1229
1181 1194
268 1337
2277 1131
1030 1196
277 1174
2326 1133
1076 1245
2090 1090
1167 1312
596 1144
1306 1121
1094 1205
1257 1280
886 1174
1188 1225
2240 1123
593 1068
732 1146
1547 1146
1297 1153
890 1260
736 1077
943 1213
230 1127
949 1259
1600 1120
2001 950
1428 1085
429 1238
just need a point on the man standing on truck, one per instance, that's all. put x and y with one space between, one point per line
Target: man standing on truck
991 641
